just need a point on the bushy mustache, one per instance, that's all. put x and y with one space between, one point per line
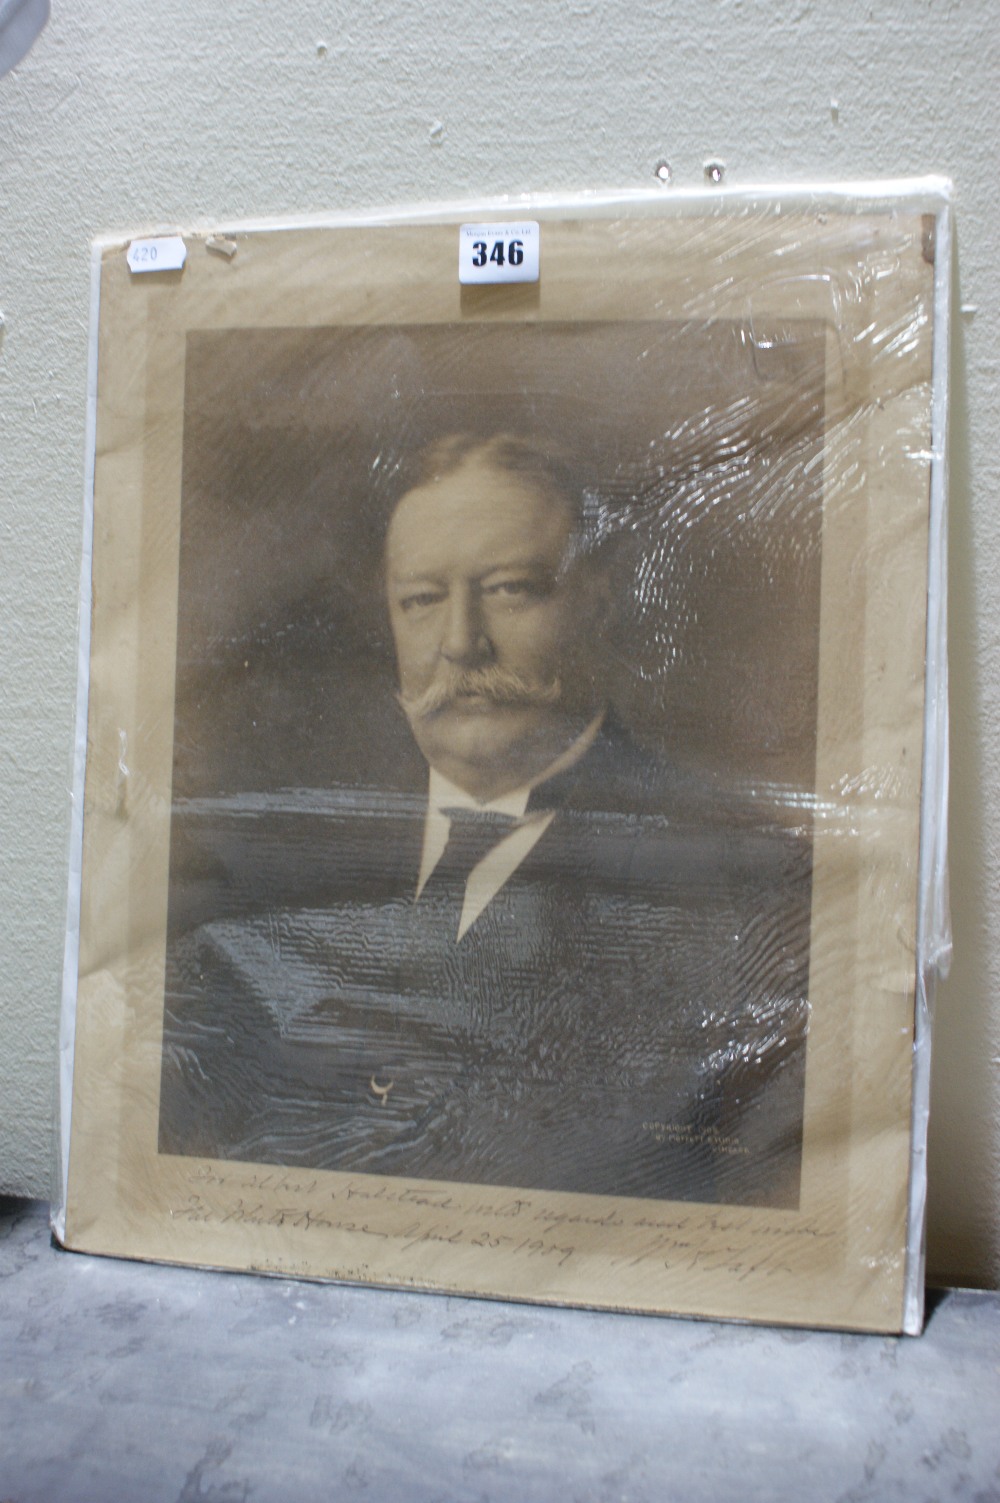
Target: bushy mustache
502 686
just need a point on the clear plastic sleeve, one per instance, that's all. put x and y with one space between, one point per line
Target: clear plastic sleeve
510 821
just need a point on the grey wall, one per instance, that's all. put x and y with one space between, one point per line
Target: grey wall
126 116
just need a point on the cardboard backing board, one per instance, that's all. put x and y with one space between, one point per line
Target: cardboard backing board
659 529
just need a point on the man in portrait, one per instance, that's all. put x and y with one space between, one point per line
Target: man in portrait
552 959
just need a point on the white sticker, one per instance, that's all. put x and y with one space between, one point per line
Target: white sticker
498 252
166 253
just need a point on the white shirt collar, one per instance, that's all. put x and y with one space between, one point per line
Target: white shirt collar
486 879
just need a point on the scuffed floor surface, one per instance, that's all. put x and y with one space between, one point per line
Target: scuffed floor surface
122 1381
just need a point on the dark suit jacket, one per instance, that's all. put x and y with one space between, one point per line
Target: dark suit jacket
627 1016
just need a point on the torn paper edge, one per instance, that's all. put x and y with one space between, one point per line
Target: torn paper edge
929 193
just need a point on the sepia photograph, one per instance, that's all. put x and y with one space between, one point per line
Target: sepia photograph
482 860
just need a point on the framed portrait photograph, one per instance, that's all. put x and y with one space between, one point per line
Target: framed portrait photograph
509 755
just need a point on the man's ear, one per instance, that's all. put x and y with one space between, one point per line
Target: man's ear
379 583
596 628
373 608
595 588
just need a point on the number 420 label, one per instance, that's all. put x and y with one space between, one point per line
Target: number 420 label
498 252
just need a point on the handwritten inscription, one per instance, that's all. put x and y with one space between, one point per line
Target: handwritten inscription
737 1243
253 1211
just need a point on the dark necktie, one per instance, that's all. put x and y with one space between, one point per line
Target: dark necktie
472 834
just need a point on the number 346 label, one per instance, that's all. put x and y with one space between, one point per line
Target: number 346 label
498 252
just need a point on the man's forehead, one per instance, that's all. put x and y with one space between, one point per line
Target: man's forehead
481 495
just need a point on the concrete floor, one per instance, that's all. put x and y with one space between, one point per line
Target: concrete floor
122 1381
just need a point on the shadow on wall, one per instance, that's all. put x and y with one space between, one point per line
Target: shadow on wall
20 23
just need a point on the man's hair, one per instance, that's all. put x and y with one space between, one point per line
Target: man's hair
549 469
